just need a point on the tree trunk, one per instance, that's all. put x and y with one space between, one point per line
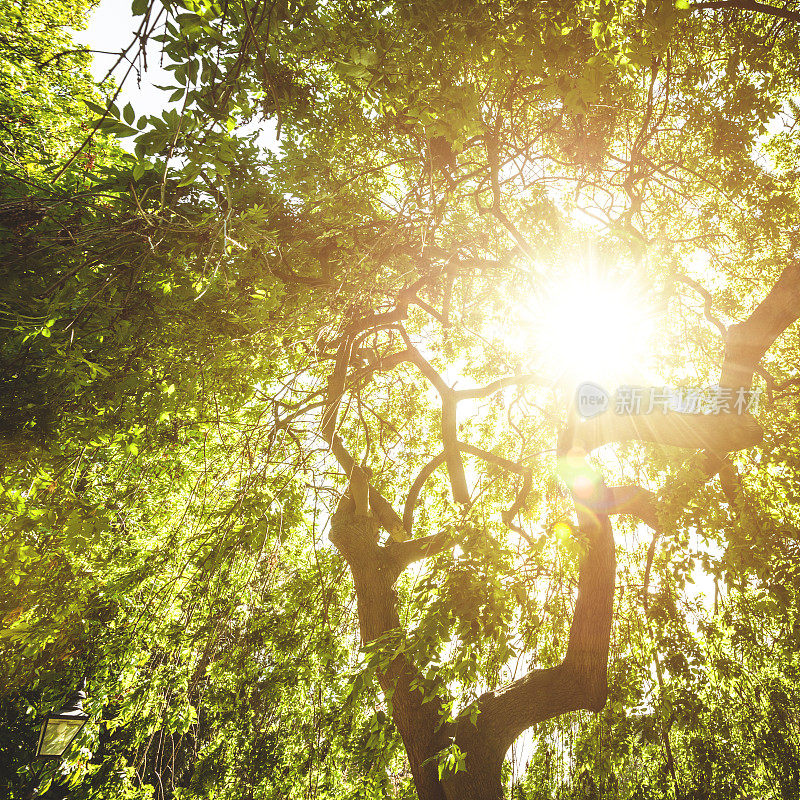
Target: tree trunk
374 574
579 682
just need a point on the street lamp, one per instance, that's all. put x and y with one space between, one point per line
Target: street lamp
61 727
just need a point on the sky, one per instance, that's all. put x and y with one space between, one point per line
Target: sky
110 30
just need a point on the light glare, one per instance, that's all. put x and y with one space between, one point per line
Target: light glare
593 329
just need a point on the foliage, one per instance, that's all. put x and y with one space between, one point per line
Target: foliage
174 322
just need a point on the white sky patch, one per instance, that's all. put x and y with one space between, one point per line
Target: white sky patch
110 30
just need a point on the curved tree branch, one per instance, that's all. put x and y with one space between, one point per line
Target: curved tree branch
416 488
495 386
403 554
748 341
579 681
708 301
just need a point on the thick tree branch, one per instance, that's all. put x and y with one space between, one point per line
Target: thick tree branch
382 364
403 554
333 397
718 433
422 364
452 454
449 422
510 466
748 341
380 319
355 537
633 500
416 488
580 680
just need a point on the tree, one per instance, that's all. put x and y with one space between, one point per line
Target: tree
341 326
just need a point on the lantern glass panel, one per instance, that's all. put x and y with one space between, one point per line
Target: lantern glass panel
57 734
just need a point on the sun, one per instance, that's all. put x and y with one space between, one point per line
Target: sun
593 327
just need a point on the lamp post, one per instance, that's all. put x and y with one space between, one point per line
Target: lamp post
60 727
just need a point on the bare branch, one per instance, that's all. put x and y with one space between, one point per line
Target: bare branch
416 488
495 386
422 364
455 466
335 391
499 461
708 301
382 364
750 5
404 553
